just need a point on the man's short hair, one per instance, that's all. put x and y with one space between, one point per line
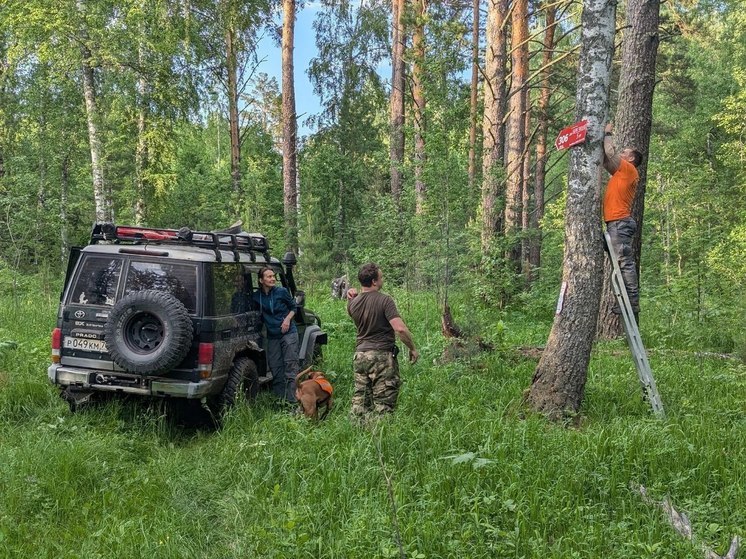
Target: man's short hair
638 157
367 274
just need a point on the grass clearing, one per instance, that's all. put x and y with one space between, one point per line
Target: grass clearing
472 474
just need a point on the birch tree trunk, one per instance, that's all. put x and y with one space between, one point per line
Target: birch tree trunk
541 135
526 192
396 148
102 201
3 89
515 133
558 384
231 66
632 126
289 127
474 98
418 94
141 150
492 122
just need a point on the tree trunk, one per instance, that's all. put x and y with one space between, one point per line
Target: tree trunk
3 125
103 204
474 100
526 192
141 150
632 126
559 381
541 138
396 148
64 189
418 94
289 127
515 133
231 65
492 122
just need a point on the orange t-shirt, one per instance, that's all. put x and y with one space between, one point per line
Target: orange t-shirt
620 192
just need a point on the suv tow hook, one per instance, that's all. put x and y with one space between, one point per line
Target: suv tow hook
101 379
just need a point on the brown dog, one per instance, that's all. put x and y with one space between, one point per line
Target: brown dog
313 391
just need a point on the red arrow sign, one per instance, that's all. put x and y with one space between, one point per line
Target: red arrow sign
572 135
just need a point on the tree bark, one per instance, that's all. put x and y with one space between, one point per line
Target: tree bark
474 98
231 65
141 150
541 138
515 133
495 100
289 127
396 149
559 381
102 200
526 192
418 94
632 126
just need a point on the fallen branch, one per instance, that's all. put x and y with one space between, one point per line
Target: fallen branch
683 526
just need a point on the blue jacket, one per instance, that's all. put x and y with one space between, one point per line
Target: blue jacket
275 306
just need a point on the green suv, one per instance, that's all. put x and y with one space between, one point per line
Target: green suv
167 313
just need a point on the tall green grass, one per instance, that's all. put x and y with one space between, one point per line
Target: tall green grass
472 473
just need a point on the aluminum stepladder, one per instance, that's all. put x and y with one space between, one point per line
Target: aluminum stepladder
634 341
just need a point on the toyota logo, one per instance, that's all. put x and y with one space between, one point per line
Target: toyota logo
79 314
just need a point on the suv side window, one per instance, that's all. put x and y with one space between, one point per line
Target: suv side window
231 289
97 281
180 280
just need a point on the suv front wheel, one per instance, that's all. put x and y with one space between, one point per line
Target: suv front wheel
243 374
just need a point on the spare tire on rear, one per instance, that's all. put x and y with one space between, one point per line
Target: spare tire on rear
148 332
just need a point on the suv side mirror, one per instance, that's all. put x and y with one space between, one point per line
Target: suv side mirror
300 298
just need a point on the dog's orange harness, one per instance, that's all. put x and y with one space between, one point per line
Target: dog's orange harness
325 385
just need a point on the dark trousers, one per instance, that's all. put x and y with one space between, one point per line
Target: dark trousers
282 354
621 233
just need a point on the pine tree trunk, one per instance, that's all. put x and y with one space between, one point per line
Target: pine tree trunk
515 133
559 381
103 206
396 149
632 125
418 94
474 98
290 127
495 101
541 138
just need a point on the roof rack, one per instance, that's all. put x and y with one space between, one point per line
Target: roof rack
242 242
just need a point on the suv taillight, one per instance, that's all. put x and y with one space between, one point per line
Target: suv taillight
56 344
204 360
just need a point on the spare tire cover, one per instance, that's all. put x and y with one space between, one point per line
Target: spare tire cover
148 332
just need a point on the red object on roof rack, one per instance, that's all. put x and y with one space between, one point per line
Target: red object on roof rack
234 242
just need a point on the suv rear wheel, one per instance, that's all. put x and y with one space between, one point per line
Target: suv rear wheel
148 332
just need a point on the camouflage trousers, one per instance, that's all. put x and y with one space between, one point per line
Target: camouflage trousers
377 383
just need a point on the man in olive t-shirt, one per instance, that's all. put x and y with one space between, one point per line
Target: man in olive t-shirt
378 322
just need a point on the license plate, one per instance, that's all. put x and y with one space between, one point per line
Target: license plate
85 344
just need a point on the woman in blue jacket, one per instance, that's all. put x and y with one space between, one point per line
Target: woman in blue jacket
278 309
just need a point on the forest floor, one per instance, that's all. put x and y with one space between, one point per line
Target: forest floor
461 469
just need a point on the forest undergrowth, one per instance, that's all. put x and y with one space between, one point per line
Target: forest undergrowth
462 469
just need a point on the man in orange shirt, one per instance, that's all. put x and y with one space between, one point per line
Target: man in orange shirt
618 198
